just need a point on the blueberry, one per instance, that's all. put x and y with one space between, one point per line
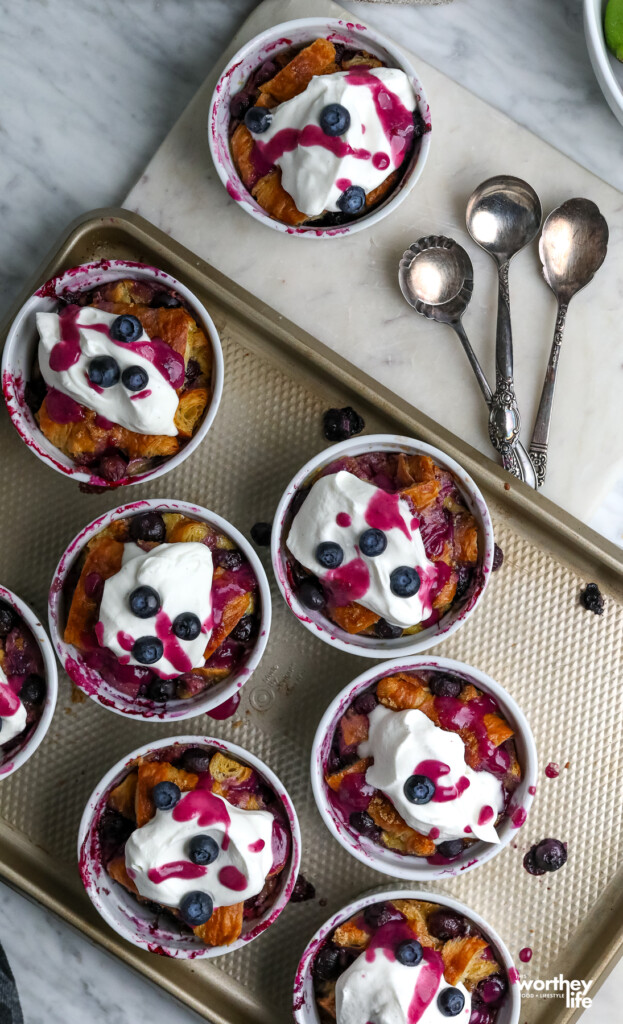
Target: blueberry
311 594
379 914
260 534
326 963
165 795
362 822
464 578
238 104
334 119
161 690
303 890
147 650
329 554
196 908
203 849
258 119
33 689
419 789
7 619
135 378
373 543
492 990
352 200
112 467
409 953
165 300
103 371
498 558
244 630
404 581
144 602
365 702
592 599
148 526
186 626
227 559
450 1002
451 848
445 686
196 760
550 855
126 328
340 424
445 925
386 631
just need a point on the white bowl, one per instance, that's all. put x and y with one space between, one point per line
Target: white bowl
369 646
391 862
21 348
30 744
608 70
297 33
91 682
304 1003
138 923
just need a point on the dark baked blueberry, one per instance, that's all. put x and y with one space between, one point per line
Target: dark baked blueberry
103 371
450 1002
303 890
238 104
386 631
165 300
352 200
365 702
550 855
327 963
161 689
228 559
165 795
243 631
464 578
126 328
33 689
35 391
592 599
372 543
445 925
329 554
186 626
362 822
451 848
260 534
144 602
196 760
203 849
112 467
196 908
311 594
404 581
379 914
149 526
7 619
498 558
334 119
147 650
492 990
409 953
445 686
419 789
258 119
135 378
340 424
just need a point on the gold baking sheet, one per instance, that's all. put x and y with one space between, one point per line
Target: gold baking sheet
561 663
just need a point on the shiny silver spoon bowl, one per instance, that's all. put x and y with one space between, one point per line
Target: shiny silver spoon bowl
573 245
503 216
436 278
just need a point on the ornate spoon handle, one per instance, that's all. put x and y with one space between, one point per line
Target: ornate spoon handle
504 419
540 434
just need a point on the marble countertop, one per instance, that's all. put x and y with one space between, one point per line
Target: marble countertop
90 90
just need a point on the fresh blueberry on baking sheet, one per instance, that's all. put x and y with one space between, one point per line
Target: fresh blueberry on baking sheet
340 424
203 849
372 543
166 795
258 119
135 378
329 554
186 626
144 602
352 200
592 599
126 328
419 789
334 119
260 534
196 908
147 650
404 581
103 371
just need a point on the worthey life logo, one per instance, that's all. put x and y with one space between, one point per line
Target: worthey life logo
573 991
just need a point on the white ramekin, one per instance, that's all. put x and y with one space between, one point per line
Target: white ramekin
304 1003
296 33
370 646
391 862
139 924
20 350
90 681
29 745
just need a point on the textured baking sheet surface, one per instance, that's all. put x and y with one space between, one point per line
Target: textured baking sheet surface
560 662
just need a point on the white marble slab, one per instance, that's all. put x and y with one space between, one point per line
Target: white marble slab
344 290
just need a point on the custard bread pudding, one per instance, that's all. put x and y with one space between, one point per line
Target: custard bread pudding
324 134
22 683
122 379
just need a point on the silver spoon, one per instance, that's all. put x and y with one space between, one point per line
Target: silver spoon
503 216
436 278
572 248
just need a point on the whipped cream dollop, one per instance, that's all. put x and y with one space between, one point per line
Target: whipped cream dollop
339 509
12 712
181 575
405 743
317 168
71 340
157 853
378 989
